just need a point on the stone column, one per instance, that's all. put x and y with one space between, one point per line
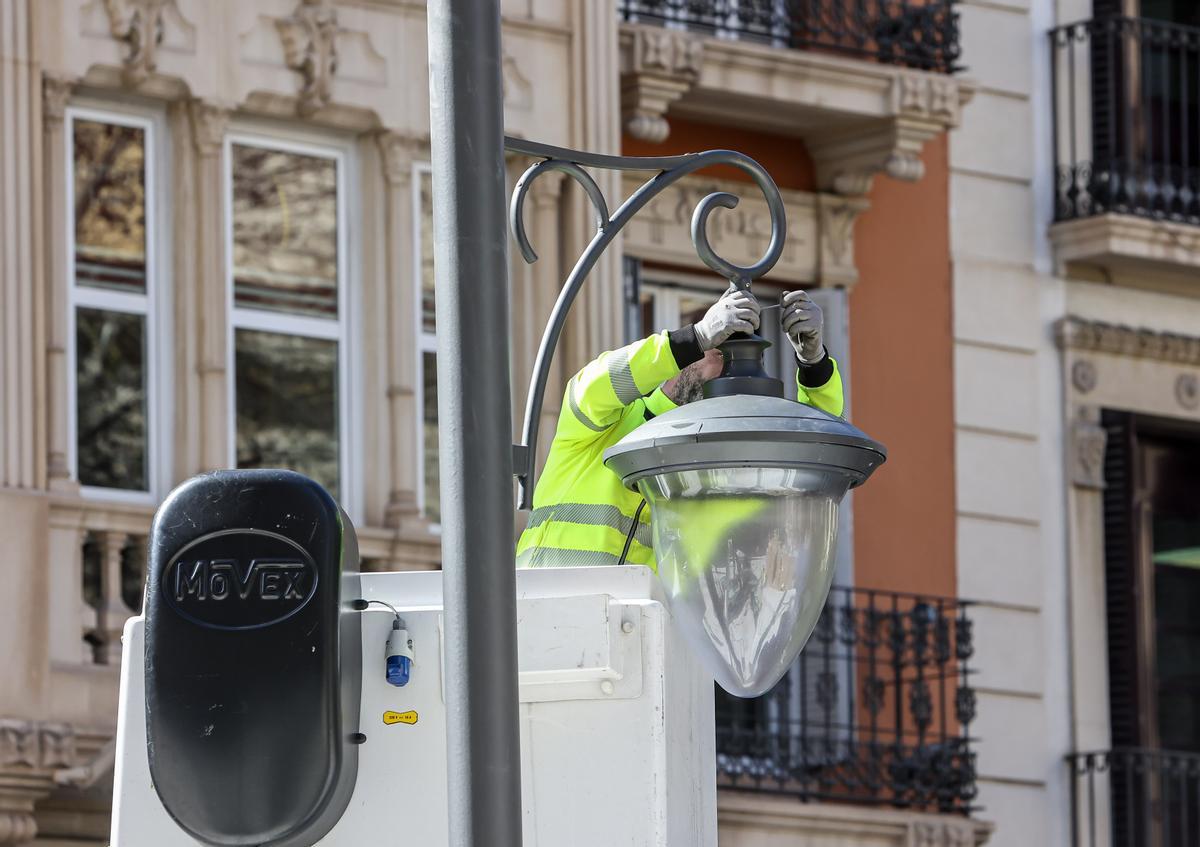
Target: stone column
185 460
209 122
22 442
55 93
403 307
114 612
596 319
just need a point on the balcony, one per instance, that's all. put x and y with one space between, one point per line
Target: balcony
1126 97
864 82
876 712
922 35
1133 797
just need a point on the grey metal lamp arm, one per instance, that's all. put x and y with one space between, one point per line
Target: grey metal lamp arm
670 170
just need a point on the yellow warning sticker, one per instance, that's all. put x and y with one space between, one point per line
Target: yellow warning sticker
390 718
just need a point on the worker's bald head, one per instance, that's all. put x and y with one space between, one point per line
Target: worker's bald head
688 385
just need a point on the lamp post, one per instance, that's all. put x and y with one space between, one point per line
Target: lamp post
466 126
791 465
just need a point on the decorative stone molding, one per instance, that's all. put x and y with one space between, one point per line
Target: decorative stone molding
36 745
819 248
858 118
748 820
209 121
31 752
139 24
310 49
17 826
1088 440
661 65
1187 391
1083 375
516 87
1079 334
397 152
56 91
923 106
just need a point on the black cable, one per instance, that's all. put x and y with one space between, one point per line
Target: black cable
632 532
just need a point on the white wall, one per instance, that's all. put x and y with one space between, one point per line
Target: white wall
1008 422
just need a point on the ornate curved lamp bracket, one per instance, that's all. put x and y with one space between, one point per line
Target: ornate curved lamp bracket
669 170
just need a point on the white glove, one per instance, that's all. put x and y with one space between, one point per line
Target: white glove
802 321
736 311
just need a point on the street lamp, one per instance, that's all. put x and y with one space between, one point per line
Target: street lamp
743 492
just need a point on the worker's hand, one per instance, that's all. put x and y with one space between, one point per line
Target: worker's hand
803 322
736 311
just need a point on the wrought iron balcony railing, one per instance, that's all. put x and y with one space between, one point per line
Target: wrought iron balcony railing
919 34
1133 797
876 710
1126 119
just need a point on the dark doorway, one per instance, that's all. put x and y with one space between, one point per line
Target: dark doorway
1152 574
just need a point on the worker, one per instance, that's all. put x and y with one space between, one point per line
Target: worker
582 513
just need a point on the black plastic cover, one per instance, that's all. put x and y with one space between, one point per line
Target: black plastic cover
253 658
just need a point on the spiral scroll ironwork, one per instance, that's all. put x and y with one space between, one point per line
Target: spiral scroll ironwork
669 170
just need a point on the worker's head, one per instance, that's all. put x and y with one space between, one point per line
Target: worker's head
688 385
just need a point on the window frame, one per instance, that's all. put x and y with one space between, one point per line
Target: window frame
426 342
349 371
154 306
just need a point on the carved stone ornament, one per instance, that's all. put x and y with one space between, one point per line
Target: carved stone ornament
139 24
1083 375
56 91
1088 441
661 66
949 833
1074 333
17 826
209 121
310 49
923 106
36 745
397 152
1187 391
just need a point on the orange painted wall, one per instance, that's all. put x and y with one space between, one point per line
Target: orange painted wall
786 159
901 347
901 351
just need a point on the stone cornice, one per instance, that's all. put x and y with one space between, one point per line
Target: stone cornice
1079 334
859 118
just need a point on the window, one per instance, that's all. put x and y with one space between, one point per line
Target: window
114 440
430 488
287 280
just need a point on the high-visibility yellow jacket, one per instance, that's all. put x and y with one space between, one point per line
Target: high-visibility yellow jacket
581 512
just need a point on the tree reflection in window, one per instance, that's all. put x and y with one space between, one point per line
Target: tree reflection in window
110 356
109 271
284 232
287 404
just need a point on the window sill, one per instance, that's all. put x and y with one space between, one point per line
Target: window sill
745 819
1129 250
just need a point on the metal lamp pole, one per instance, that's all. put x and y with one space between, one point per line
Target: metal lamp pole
466 110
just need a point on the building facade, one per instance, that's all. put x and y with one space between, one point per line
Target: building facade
216 251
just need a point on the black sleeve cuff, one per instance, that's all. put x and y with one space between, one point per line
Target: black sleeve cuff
685 347
816 374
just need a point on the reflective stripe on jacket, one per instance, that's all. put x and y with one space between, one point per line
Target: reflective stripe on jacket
581 512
